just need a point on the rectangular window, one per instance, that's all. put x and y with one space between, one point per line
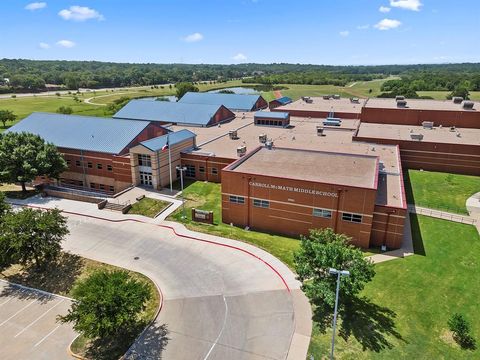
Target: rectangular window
77 163
214 171
102 187
144 160
111 188
190 172
109 167
352 217
201 169
322 213
89 165
261 203
92 186
237 199
68 162
99 166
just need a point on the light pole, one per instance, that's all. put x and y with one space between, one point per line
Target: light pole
182 169
339 274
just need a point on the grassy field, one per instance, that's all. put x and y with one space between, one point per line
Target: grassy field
148 207
60 278
406 307
442 95
441 191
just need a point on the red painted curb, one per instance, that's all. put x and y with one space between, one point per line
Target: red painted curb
175 232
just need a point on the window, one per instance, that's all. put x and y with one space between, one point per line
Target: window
261 203
214 171
144 160
92 185
109 167
89 165
102 187
237 199
111 188
99 166
352 217
201 169
77 163
68 162
322 213
190 172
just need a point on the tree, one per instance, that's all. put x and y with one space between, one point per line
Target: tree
5 207
324 249
65 110
7 116
460 91
24 156
461 331
34 235
107 303
184 87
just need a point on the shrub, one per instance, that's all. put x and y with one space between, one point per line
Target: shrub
461 331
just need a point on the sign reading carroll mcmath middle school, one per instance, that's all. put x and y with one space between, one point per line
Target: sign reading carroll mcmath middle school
293 189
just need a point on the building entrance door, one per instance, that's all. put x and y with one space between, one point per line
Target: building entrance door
146 178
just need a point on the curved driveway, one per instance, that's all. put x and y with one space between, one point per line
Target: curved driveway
219 302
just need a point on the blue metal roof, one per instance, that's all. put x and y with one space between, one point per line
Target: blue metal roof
272 114
283 100
82 132
240 102
169 112
158 143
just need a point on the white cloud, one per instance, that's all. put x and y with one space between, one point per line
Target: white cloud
239 57
36 6
387 24
80 13
384 9
193 37
344 33
66 44
43 45
406 4
363 27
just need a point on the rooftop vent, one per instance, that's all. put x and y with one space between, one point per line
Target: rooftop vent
326 97
232 134
355 100
401 103
241 150
416 136
468 105
320 131
330 121
453 129
269 144
262 138
336 97
427 124
457 99
399 97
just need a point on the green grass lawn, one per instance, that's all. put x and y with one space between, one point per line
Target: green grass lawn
442 95
410 300
441 191
148 207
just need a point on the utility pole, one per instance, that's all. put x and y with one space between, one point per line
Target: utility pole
182 169
339 274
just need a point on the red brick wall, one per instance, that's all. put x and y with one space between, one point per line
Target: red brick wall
260 104
222 114
388 226
208 163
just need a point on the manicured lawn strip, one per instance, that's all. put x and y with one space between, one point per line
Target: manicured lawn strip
441 191
423 291
61 277
148 207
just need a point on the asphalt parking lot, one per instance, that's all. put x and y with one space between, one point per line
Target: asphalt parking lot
28 327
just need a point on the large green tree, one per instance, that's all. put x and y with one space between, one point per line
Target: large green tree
33 236
7 116
107 303
324 249
184 87
24 156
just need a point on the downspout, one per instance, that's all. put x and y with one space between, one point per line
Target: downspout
384 243
339 191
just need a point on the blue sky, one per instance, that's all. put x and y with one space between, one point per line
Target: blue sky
233 31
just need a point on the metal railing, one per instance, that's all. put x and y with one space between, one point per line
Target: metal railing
441 215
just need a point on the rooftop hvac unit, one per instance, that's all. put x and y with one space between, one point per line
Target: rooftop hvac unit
399 97
457 99
332 122
309 101
262 138
336 97
305 98
468 105
401 103
452 129
320 131
233 134
326 97
355 100
241 150
427 124
416 136
269 144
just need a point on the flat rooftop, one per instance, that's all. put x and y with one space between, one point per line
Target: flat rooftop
322 105
419 104
316 166
442 135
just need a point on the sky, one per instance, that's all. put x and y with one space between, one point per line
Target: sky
338 32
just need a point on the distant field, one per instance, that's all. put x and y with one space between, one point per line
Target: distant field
442 95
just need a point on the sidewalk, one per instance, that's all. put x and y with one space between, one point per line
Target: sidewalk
464 219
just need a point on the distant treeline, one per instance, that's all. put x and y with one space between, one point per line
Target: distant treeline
33 75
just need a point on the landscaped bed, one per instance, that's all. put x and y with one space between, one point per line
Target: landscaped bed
61 277
149 207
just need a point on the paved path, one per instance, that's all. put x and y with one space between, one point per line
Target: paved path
464 219
89 100
223 299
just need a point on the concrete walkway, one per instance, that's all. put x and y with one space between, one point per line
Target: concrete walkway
464 219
